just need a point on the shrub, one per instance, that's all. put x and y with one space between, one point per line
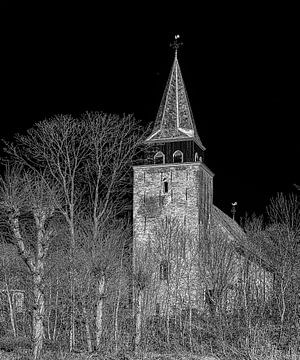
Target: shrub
10 343
2 330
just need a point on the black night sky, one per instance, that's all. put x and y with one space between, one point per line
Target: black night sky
239 68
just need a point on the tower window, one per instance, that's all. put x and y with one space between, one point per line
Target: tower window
159 158
196 157
165 185
178 156
157 308
164 270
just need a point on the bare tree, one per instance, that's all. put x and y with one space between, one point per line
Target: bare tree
106 256
274 241
89 160
217 265
282 235
57 148
7 271
114 142
164 269
29 206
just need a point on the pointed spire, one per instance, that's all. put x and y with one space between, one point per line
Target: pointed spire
174 120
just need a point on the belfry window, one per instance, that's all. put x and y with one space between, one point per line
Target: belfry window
159 158
178 156
164 270
196 157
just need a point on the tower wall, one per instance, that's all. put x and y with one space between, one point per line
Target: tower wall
171 206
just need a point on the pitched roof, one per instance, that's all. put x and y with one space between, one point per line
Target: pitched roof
174 120
239 238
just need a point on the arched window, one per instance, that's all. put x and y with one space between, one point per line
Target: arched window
196 157
159 158
178 156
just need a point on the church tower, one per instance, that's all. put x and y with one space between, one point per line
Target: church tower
173 189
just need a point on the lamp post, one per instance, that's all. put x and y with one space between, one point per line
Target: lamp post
233 209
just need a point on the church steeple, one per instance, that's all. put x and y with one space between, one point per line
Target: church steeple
174 120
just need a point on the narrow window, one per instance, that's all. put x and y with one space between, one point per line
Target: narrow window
157 308
165 185
196 157
178 156
164 270
159 158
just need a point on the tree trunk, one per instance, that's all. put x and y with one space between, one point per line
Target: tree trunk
72 317
87 329
116 330
190 326
49 311
43 239
72 295
283 308
11 309
99 314
56 312
138 323
38 317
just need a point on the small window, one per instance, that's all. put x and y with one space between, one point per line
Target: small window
159 158
164 270
165 185
178 156
157 309
196 157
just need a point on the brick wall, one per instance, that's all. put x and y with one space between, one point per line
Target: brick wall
185 201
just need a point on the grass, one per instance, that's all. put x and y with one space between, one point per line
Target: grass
206 345
228 354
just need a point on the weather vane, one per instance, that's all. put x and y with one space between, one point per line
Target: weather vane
176 43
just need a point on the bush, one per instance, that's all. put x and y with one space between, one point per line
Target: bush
10 343
53 345
2 330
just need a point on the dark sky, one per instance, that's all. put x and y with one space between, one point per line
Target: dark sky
239 67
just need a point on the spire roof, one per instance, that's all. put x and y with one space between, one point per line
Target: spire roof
174 120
